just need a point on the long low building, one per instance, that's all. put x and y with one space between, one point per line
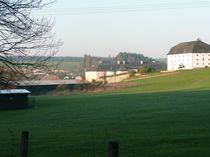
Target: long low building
38 87
109 76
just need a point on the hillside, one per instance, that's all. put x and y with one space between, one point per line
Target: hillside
163 115
177 81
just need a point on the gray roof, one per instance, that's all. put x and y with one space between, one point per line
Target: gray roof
14 91
115 67
48 82
190 47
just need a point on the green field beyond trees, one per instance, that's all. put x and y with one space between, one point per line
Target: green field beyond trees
165 116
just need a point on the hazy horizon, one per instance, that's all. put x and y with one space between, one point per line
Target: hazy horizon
105 28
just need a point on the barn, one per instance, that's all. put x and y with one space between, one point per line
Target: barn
14 99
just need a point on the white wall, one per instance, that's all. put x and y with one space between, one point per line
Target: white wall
189 60
174 61
93 75
109 73
110 76
117 78
201 60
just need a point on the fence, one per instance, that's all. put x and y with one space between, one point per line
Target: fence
113 146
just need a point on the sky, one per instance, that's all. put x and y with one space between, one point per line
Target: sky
107 27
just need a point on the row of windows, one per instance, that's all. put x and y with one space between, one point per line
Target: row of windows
202 55
203 59
189 64
202 64
180 60
174 56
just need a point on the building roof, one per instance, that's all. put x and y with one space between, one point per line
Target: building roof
190 47
14 91
49 82
117 67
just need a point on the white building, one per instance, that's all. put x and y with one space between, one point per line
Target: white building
94 75
109 76
188 55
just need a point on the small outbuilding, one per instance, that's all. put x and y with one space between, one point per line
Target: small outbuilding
14 99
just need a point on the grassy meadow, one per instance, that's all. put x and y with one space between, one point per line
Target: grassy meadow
164 116
67 65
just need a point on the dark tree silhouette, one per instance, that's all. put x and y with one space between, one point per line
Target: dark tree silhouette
26 41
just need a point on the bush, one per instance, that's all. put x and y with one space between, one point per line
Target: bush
131 73
145 69
62 88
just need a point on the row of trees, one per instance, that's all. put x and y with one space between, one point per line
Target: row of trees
132 57
23 35
92 62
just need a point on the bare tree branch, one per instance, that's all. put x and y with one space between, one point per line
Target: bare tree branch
22 35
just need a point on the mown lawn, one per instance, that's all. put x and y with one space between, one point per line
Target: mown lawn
163 116
73 67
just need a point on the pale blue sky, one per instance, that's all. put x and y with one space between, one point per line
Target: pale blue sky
152 29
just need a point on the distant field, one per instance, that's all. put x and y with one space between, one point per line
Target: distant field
68 66
166 116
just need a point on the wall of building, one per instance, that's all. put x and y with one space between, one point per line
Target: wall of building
117 78
174 62
109 73
110 76
189 60
13 101
93 75
201 60
45 89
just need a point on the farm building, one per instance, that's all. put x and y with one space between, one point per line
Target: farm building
40 87
107 71
14 99
188 55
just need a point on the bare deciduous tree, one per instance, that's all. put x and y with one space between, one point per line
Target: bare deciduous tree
25 40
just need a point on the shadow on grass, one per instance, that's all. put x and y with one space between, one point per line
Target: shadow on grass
145 124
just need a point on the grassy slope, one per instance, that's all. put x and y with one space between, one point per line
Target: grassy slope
163 116
68 66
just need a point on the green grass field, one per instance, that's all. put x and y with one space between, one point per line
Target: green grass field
68 66
165 116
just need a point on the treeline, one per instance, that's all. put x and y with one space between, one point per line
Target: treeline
133 57
54 58
89 62
66 59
